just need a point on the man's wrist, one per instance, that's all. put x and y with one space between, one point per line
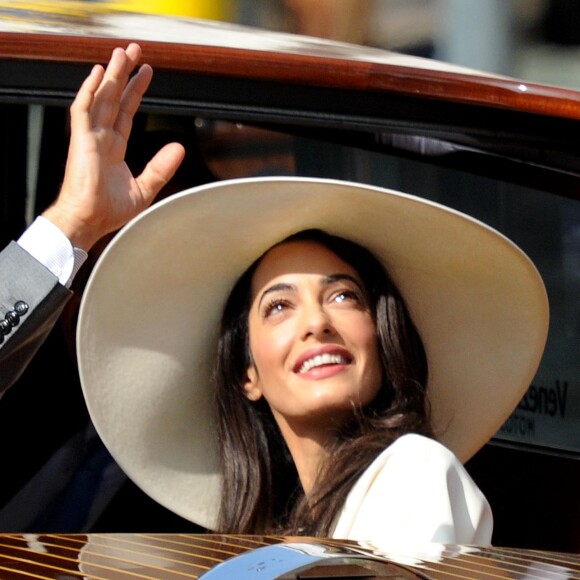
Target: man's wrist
48 244
78 233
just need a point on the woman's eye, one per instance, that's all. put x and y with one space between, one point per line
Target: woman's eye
275 307
346 296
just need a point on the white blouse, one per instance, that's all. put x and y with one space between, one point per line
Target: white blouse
415 493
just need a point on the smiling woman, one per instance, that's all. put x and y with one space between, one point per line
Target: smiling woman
354 369
310 321
340 376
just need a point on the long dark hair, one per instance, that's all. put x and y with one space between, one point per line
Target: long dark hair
261 491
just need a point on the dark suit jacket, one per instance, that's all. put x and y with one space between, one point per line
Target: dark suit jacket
24 279
43 418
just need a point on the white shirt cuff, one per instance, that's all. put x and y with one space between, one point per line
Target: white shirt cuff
46 243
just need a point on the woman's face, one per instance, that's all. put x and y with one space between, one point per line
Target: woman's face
312 336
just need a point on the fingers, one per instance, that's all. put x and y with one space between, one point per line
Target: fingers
113 84
136 88
131 100
99 193
98 101
160 170
84 99
133 52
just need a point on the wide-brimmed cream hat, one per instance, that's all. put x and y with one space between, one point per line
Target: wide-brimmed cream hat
150 314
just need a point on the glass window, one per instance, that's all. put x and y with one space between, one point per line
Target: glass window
546 226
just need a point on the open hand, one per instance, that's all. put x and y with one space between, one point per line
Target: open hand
99 194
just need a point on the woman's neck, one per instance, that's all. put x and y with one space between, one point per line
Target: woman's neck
307 447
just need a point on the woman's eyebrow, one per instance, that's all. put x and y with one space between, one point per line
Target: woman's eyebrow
276 288
326 281
339 278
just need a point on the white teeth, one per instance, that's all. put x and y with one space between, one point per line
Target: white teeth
322 359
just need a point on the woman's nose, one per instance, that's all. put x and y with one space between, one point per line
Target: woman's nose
316 322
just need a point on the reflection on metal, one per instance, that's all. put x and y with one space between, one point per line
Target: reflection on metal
297 560
242 557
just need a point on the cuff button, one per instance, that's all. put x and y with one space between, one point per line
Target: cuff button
21 308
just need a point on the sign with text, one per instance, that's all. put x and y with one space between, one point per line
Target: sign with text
549 413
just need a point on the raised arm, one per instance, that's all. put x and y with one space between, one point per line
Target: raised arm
98 195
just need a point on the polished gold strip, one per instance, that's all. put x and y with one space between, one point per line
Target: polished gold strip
143 561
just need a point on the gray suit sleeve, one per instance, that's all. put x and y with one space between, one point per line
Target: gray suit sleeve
31 300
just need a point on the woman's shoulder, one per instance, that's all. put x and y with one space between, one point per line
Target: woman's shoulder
415 492
420 487
410 458
413 447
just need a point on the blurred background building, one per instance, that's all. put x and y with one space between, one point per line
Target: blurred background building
537 40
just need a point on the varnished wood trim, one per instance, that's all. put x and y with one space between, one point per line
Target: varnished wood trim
305 69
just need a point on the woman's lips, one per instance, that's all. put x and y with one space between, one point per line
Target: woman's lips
329 357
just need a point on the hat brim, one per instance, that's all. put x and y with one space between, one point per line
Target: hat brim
150 314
